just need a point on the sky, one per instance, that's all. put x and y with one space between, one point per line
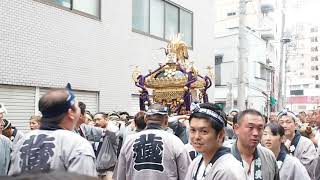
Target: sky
309 12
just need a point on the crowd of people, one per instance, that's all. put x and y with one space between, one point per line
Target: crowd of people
206 144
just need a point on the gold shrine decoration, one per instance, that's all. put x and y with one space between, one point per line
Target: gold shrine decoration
176 83
135 74
210 73
179 48
161 95
171 78
172 82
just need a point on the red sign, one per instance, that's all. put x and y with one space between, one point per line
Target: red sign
303 100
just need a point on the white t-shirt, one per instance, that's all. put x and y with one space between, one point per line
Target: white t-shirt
201 171
249 173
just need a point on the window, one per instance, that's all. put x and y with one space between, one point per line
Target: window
231 14
314 39
314 29
140 17
296 92
260 71
269 80
162 19
218 62
87 6
156 18
263 72
90 8
65 3
314 49
315 58
186 26
172 20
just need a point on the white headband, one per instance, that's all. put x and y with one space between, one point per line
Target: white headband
196 109
3 109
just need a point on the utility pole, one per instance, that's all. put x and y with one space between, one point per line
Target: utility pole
280 85
229 101
284 100
243 60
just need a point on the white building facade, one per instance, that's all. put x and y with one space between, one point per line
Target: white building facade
94 45
257 71
262 52
303 69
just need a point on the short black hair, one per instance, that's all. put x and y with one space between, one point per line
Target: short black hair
114 114
49 101
265 118
213 107
249 111
82 107
276 129
236 111
124 113
89 113
104 115
139 120
6 124
235 119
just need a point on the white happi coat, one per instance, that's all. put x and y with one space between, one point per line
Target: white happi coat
16 136
269 166
152 154
58 150
306 153
5 148
225 168
292 169
317 175
91 133
192 152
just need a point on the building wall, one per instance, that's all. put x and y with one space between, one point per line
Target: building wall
45 46
226 45
304 70
259 50
228 14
